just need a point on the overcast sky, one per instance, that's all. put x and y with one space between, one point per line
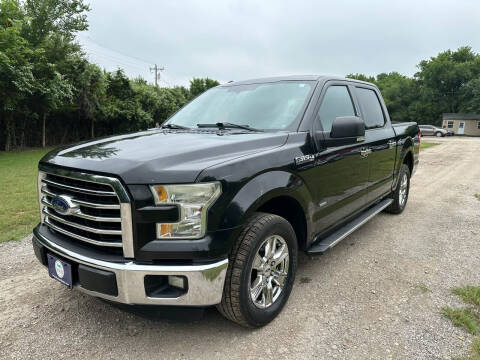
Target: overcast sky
236 40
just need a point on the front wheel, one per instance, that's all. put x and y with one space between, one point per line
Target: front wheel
261 271
438 134
400 195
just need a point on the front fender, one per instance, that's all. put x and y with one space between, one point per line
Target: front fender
261 189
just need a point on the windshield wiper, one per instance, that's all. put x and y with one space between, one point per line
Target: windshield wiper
175 126
224 125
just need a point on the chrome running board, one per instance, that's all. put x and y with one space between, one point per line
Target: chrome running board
333 239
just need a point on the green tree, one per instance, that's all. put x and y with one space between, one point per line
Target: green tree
17 81
361 77
470 97
51 90
52 23
60 17
199 85
400 94
121 110
170 101
47 82
90 92
181 95
442 79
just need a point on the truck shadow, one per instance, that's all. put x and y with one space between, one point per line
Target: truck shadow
209 318
173 314
188 315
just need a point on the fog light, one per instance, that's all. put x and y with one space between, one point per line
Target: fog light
165 286
177 281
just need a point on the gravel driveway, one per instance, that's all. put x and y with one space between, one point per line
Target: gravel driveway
377 295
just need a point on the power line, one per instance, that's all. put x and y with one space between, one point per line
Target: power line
116 60
166 83
124 63
130 56
127 63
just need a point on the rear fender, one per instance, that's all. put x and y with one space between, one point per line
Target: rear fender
407 149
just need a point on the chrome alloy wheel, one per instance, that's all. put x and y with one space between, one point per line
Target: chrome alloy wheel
403 190
269 271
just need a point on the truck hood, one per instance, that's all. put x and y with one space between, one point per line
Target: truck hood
162 156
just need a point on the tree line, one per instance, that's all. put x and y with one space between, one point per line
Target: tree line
50 93
446 83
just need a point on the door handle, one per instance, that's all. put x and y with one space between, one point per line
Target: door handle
391 144
365 152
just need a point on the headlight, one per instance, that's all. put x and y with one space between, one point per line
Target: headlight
193 201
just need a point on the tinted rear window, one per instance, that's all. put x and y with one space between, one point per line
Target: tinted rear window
371 108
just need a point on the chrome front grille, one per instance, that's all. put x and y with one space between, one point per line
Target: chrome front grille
98 213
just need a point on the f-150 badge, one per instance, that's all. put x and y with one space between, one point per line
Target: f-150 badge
300 160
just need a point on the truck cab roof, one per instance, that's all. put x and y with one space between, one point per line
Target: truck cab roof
322 78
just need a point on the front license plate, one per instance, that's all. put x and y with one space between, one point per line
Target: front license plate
60 270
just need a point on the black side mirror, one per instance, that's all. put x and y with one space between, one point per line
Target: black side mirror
346 130
350 126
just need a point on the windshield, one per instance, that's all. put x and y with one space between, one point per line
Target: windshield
265 106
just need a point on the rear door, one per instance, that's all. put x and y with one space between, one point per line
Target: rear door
379 141
339 178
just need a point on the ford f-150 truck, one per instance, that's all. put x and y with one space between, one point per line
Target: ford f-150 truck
213 207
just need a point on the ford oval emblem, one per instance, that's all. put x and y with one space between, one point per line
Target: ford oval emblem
64 205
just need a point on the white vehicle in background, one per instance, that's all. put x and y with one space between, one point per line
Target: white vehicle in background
431 130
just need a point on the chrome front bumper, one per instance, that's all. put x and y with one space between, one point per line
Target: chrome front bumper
205 282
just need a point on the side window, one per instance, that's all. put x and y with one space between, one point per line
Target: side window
371 108
336 103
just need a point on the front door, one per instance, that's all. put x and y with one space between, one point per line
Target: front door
340 176
461 128
379 139
427 130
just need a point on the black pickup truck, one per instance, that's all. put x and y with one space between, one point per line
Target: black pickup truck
213 207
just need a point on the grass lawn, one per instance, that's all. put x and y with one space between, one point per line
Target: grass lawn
425 145
18 193
467 317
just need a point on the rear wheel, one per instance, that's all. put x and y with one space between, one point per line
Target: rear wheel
261 271
400 195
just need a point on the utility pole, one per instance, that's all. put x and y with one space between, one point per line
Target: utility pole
157 73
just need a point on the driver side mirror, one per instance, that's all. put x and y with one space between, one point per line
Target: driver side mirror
346 127
346 130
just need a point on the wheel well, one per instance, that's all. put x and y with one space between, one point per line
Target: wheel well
409 161
291 210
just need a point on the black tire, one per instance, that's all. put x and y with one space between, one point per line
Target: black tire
237 304
397 206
